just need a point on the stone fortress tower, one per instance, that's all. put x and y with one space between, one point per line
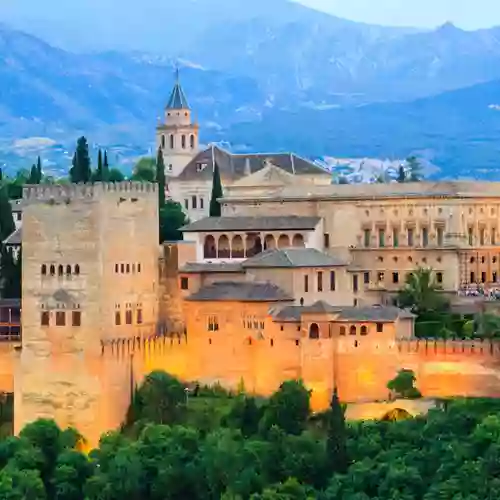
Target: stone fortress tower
90 274
177 136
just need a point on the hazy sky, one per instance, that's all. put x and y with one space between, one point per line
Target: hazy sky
467 14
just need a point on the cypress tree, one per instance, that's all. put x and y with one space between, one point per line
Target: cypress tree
401 174
39 170
336 443
98 172
81 170
7 225
33 178
160 178
11 272
215 208
105 168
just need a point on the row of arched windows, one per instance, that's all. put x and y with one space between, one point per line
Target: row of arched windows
67 270
127 268
237 248
184 139
314 332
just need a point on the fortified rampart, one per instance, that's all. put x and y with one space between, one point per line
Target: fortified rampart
443 369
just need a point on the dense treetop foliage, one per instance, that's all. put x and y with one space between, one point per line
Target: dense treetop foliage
209 444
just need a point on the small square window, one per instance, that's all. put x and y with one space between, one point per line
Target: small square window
380 327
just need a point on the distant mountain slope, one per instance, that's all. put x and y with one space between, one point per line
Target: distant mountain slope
459 131
291 50
115 99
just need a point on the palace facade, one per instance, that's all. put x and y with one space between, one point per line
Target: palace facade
294 280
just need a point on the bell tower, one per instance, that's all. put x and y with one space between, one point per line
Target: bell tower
177 136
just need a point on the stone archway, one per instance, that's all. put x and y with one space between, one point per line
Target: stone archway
237 248
209 248
223 248
269 242
396 415
283 241
298 241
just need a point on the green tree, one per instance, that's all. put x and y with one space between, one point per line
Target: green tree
171 218
288 408
401 174
244 414
33 178
161 399
414 169
106 172
336 442
403 385
18 484
97 176
81 170
39 170
115 175
7 224
145 170
160 178
291 489
215 207
421 293
11 274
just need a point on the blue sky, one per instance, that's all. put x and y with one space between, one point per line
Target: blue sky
467 14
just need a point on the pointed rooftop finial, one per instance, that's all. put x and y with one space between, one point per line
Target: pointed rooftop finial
177 97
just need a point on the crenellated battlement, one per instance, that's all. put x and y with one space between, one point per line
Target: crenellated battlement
450 347
124 348
69 192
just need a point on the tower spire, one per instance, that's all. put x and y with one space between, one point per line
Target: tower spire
177 97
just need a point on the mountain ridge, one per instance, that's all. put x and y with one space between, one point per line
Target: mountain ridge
115 98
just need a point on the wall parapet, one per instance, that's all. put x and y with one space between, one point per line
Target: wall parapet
122 348
40 192
469 347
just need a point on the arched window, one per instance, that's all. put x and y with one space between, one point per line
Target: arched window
298 241
52 270
269 242
128 268
133 268
77 269
223 248
283 241
183 142
237 248
191 141
364 330
68 270
209 248
163 140
314 331
352 330
171 141
44 270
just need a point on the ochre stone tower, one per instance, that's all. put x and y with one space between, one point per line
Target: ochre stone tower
177 136
90 274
